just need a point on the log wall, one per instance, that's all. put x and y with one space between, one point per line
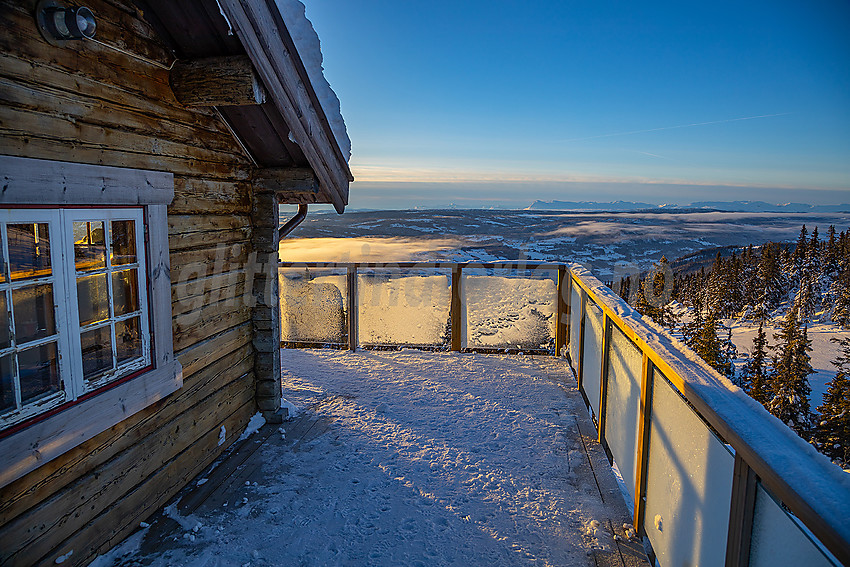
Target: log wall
90 104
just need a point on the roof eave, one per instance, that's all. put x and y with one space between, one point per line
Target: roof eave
263 33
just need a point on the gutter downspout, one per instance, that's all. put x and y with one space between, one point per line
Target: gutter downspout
292 223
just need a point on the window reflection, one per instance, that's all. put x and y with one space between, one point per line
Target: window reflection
93 299
97 352
38 369
128 339
125 292
29 250
89 246
33 309
5 332
7 391
123 242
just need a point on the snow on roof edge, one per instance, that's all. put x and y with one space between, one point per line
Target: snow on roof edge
309 48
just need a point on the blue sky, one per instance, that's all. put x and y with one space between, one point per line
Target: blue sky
492 103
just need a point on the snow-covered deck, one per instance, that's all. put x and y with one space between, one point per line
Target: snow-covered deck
405 458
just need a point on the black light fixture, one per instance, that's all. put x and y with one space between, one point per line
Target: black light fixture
59 23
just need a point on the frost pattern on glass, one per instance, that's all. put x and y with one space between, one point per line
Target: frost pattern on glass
689 483
397 310
592 365
312 306
779 540
575 323
623 402
509 312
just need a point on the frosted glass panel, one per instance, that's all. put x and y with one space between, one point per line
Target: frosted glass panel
778 539
592 367
397 310
623 402
509 312
575 323
313 306
689 483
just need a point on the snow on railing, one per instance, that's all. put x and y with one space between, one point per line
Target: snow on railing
713 478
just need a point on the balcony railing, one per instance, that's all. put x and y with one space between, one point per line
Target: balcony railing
713 478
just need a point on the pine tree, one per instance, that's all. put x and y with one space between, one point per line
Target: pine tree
832 436
691 330
799 256
638 299
624 288
711 348
749 277
769 277
657 289
844 250
734 287
789 384
787 273
841 302
830 260
717 289
805 301
728 352
756 371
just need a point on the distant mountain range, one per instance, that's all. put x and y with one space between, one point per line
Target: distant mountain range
728 206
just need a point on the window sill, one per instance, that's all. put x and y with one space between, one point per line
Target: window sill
45 440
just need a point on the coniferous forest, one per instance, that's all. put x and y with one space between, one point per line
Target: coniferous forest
782 288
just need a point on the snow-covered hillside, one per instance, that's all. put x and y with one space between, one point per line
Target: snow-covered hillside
609 244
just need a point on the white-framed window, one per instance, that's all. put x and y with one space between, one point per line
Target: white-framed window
85 304
73 305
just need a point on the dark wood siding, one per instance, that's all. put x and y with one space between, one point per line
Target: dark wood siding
90 104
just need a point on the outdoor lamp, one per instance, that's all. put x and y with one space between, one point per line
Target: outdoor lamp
59 23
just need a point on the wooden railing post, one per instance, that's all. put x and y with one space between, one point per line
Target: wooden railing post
456 313
741 514
603 379
580 362
644 415
562 315
352 307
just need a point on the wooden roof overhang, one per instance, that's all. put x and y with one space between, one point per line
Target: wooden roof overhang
286 132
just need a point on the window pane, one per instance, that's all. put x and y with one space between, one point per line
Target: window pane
97 352
125 292
7 393
93 298
89 246
29 250
5 332
2 262
33 307
123 242
39 371
128 339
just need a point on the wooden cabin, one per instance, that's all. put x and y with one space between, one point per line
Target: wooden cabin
139 326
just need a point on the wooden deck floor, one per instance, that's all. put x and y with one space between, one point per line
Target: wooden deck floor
231 479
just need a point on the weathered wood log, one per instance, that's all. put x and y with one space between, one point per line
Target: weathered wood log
124 516
282 180
187 296
32 489
217 81
203 196
210 320
198 356
35 532
99 106
292 185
